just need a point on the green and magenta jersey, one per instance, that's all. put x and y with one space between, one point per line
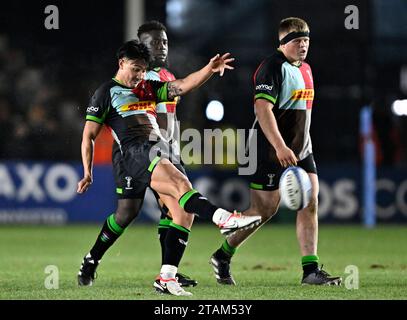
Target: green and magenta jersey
130 113
166 110
290 89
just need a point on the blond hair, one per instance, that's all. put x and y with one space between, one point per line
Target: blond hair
290 24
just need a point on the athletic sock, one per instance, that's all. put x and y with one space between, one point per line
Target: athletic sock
107 236
309 264
163 227
225 252
168 272
175 244
193 202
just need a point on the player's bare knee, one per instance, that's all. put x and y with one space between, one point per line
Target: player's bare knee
182 184
188 220
182 218
313 206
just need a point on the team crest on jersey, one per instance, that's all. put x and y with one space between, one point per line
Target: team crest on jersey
128 182
271 179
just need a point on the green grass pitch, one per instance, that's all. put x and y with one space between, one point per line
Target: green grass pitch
267 267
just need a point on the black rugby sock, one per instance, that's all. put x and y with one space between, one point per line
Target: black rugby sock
193 202
175 242
107 236
163 227
309 264
225 252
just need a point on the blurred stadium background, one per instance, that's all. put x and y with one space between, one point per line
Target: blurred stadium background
47 77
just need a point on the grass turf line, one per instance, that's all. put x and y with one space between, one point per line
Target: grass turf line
267 267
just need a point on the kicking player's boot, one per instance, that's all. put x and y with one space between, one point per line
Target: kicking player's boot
229 222
87 272
170 286
321 277
185 281
221 267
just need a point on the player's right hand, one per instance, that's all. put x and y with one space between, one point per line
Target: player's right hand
84 184
220 63
286 157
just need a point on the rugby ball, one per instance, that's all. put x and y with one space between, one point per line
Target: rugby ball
295 188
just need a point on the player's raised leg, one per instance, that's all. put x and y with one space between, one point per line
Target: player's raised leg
168 180
264 204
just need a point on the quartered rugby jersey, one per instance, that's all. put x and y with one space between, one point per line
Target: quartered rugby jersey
290 89
129 112
163 75
166 111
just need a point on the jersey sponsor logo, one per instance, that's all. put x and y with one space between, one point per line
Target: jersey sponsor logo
140 105
264 87
303 94
92 109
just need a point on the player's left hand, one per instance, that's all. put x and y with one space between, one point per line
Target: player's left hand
220 63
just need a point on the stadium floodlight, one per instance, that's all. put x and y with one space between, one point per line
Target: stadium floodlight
215 110
175 13
399 107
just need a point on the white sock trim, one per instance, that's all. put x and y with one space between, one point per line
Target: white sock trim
168 271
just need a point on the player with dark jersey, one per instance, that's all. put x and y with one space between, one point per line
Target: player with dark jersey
127 105
154 35
283 96
292 109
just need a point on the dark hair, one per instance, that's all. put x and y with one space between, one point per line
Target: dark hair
150 26
133 50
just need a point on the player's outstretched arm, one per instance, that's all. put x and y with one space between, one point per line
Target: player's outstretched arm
90 132
217 64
